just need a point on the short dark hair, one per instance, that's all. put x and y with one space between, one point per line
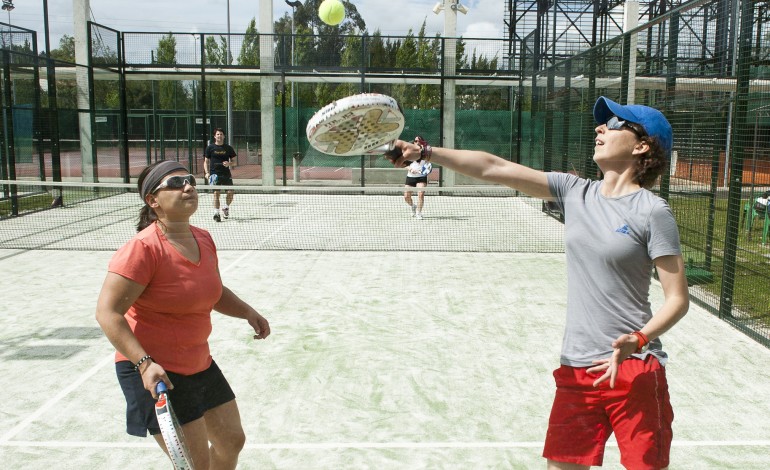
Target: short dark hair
218 129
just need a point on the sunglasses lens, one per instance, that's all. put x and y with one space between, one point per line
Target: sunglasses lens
614 123
178 182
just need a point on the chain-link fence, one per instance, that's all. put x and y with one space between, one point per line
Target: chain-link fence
716 99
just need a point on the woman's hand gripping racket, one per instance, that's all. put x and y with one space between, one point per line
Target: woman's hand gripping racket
395 153
368 123
171 430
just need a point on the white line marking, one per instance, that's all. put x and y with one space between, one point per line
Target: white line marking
53 401
363 445
5 438
235 263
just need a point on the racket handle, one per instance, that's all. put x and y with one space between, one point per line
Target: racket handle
161 388
382 149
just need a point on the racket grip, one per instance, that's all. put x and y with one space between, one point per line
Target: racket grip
161 388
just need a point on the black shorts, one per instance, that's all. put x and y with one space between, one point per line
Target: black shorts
413 180
191 397
224 180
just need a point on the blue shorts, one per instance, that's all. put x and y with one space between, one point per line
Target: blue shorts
192 396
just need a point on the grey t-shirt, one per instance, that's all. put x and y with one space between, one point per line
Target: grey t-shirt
610 245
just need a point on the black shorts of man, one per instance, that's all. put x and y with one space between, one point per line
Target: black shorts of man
219 159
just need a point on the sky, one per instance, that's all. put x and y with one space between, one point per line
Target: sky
483 20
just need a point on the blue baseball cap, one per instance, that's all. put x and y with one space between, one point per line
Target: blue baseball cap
654 123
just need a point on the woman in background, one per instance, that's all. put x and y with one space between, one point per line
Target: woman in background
417 177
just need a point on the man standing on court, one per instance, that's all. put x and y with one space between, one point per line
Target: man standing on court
219 158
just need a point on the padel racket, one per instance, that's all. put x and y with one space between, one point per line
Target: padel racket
171 430
367 123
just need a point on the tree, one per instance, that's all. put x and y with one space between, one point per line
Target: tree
246 94
66 90
351 58
66 50
171 93
307 14
407 59
428 59
377 52
215 55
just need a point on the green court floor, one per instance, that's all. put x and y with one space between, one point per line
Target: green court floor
378 360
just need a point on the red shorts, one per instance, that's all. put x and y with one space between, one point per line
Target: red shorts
638 410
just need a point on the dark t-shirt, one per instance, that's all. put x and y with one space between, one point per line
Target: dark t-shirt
218 154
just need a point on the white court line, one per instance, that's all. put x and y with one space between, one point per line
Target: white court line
50 403
363 445
5 438
234 263
272 234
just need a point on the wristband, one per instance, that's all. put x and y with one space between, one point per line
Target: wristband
425 149
425 152
643 341
142 361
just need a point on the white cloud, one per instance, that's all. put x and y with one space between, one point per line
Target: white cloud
483 30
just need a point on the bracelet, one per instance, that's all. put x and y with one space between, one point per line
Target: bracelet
643 340
142 361
425 149
425 152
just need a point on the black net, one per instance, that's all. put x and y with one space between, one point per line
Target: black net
103 216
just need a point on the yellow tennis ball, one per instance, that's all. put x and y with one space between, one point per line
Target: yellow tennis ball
331 12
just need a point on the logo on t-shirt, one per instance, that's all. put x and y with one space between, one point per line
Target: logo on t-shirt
624 229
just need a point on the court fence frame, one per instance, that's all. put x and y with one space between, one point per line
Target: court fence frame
707 67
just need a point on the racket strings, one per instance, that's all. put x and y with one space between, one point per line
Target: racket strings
365 131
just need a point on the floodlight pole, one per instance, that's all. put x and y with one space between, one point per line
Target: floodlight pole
450 69
196 44
630 22
8 6
229 61
53 108
293 33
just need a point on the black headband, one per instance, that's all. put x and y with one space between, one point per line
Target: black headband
155 176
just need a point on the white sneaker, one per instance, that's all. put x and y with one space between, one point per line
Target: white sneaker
414 210
226 212
418 216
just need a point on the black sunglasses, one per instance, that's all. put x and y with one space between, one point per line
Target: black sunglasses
176 182
616 124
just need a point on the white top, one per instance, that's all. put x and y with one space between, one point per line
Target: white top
419 168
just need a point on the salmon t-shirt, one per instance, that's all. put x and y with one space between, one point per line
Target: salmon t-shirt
172 317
